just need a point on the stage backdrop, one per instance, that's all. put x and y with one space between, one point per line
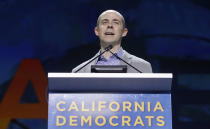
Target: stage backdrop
37 37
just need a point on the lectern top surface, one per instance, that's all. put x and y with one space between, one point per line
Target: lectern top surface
110 75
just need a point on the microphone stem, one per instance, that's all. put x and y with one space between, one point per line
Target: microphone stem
124 61
90 61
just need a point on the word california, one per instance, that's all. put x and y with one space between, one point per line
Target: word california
109 113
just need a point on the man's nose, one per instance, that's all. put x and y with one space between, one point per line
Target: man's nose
110 25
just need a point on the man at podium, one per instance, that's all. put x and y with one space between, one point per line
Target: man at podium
110 29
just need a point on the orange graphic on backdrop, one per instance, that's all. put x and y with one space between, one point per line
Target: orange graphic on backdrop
10 108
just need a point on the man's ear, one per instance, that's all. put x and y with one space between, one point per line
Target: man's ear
96 31
125 31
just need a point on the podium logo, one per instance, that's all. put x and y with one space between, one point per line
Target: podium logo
92 113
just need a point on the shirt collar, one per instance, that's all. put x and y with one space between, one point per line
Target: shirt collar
118 53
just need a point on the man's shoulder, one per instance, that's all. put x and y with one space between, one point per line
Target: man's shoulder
135 58
80 66
140 63
86 69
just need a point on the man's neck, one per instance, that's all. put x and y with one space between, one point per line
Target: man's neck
107 54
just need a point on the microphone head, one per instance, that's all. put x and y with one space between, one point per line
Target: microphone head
108 48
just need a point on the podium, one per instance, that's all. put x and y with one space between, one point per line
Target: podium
104 100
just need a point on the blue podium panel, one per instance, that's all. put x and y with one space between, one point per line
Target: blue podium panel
109 110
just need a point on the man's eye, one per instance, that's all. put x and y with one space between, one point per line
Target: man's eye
105 22
116 23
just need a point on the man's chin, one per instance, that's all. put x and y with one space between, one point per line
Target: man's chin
110 42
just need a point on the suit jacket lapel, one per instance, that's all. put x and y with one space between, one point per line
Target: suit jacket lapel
93 62
125 57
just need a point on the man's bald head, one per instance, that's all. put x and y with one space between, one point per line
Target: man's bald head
111 11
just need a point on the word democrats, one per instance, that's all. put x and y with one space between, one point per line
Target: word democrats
113 113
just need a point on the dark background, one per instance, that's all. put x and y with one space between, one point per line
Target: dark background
173 35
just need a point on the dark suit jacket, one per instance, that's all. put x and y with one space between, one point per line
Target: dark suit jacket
140 64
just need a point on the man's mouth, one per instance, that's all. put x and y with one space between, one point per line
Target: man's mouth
109 33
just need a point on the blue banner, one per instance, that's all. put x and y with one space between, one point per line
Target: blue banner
111 111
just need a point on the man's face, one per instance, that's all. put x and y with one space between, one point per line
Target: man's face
110 29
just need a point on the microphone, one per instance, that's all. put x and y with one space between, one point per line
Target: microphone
123 60
108 48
